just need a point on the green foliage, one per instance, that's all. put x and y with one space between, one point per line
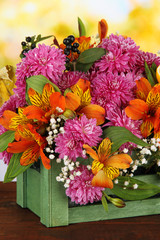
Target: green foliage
151 73
37 83
14 168
5 138
88 57
120 135
143 191
81 28
104 202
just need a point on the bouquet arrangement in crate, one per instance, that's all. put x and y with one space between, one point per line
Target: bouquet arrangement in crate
92 104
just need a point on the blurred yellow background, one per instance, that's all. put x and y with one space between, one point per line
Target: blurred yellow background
139 19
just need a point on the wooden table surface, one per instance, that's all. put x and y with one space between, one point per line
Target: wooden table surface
21 224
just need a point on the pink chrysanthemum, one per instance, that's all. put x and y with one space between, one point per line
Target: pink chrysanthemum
76 133
120 56
46 60
115 88
5 156
119 118
147 57
80 189
68 79
13 103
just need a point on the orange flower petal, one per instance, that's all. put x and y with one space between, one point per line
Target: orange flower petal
143 88
35 98
137 109
31 155
119 161
34 112
57 100
83 84
90 151
146 128
18 147
94 111
102 29
101 180
47 92
153 99
5 120
45 160
104 149
72 101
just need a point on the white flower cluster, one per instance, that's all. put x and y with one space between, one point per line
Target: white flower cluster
68 171
127 183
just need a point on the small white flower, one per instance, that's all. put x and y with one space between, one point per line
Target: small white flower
48 149
58 178
65 158
58 119
78 173
61 129
71 177
89 167
53 126
70 167
135 186
58 160
55 131
51 156
158 163
153 140
143 161
52 120
77 164
131 175
126 183
134 167
125 150
68 180
153 148
116 181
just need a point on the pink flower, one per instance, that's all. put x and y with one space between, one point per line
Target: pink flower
112 88
76 133
120 56
80 189
147 57
45 60
68 79
119 118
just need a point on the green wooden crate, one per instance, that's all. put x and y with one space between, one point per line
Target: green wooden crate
42 194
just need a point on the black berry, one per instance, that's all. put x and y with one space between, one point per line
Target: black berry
33 45
66 41
28 39
67 60
78 51
66 51
76 44
23 44
69 47
74 49
25 50
71 38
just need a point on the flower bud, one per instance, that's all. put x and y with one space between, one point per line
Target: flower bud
69 114
117 202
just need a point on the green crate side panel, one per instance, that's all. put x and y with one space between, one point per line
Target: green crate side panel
21 190
33 191
54 203
97 213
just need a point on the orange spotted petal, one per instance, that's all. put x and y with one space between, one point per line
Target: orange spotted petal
137 109
101 180
35 98
34 112
57 100
45 160
102 29
146 128
83 84
5 120
94 111
31 155
90 151
104 149
143 88
153 99
47 91
18 147
72 101
119 161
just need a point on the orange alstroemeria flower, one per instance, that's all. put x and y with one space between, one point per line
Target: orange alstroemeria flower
147 108
83 90
31 144
105 166
49 102
102 29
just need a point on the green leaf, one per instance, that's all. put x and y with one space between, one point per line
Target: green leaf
91 55
104 203
149 75
81 28
39 38
154 66
5 138
37 83
120 135
144 190
83 67
15 168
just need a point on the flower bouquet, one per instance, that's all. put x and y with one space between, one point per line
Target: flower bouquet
81 127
